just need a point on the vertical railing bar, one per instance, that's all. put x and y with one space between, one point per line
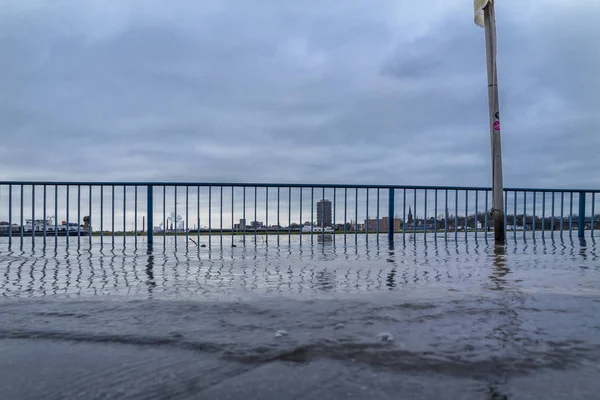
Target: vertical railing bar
476 221
312 212
45 216
149 223
562 210
323 216
425 216
466 214
90 216
266 213
187 216
232 212
255 211
524 215
101 214
289 214
10 213
415 217
582 196
485 215
301 223
10 201
543 214
55 215
164 215
533 221
446 216
435 216
209 215
221 215
377 214
124 215
345 211
135 215
33 224
515 218
278 211
78 215
112 214
571 214
593 211
67 219
552 220
244 212
367 214
175 217
391 213
334 212
404 214
198 226
356 215
456 214
21 217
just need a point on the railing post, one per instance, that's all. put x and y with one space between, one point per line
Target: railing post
150 212
391 215
581 222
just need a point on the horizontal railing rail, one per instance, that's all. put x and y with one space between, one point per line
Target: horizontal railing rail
293 185
102 212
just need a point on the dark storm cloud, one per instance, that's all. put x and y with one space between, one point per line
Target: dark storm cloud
277 91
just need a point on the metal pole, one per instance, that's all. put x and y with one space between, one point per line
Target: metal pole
581 219
494 107
391 203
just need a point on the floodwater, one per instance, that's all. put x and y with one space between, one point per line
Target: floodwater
300 319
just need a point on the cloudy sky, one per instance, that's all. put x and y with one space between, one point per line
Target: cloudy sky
359 91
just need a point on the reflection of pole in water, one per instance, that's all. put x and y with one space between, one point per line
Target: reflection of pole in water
500 270
150 272
582 248
391 279
325 280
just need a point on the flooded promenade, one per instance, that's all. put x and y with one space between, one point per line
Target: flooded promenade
302 318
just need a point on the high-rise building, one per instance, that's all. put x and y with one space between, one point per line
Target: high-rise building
324 213
241 226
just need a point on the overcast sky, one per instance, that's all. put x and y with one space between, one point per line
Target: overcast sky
358 91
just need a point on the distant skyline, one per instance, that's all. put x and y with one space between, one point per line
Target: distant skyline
391 92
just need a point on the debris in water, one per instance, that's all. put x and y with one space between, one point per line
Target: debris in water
339 326
281 333
385 337
203 245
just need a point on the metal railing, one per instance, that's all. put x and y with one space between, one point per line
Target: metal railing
109 212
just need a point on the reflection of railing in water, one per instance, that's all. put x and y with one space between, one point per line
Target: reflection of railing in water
189 211
262 268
